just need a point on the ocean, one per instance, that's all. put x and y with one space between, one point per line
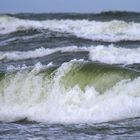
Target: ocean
70 76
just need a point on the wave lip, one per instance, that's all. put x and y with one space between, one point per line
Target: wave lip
110 31
39 97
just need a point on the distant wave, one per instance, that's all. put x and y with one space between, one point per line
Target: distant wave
106 54
111 31
102 16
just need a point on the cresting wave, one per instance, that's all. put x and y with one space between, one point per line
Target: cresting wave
106 93
111 31
106 54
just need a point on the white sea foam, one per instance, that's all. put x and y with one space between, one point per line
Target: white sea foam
107 31
12 68
30 95
114 55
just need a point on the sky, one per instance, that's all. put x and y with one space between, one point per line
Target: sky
78 6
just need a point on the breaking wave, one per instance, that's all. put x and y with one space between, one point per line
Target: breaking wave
106 93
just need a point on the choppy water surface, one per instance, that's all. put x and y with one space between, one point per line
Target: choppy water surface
70 76
128 129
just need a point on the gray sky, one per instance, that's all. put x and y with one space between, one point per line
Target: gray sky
15 6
